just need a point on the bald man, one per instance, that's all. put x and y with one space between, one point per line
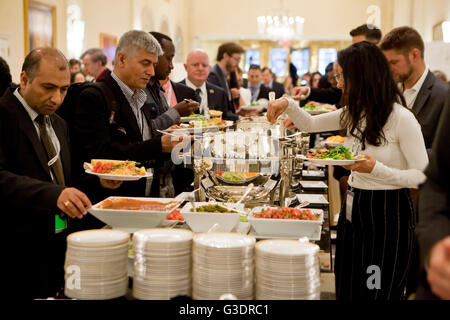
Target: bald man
210 96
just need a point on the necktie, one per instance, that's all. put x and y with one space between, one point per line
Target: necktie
56 167
198 92
253 91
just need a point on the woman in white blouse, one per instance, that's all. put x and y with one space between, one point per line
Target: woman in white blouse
376 226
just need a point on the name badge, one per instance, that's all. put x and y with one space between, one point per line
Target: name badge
349 205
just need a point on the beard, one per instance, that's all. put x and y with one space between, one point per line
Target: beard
402 77
230 68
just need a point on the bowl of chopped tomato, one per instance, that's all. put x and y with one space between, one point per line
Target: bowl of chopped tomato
285 222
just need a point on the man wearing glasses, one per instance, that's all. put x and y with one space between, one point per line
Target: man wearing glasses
228 58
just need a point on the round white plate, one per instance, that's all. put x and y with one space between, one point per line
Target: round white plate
224 240
189 119
203 129
95 238
287 247
331 162
119 177
162 235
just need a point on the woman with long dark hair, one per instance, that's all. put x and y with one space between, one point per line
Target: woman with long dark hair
376 226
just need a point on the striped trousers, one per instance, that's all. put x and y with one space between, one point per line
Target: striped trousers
374 250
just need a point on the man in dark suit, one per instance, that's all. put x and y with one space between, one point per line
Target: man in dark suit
257 89
269 81
34 172
228 58
167 105
121 129
424 93
209 95
433 230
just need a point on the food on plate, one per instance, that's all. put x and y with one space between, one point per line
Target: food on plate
321 107
214 122
215 113
339 153
117 167
234 176
287 213
194 116
213 208
135 204
335 139
175 215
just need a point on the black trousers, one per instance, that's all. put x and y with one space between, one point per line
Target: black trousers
380 234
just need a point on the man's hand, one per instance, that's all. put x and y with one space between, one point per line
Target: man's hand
276 109
288 124
299 93
110 184
185 108
439 269
168 142
363 166
73 202
235 94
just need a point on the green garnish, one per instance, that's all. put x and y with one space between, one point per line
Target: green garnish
339 153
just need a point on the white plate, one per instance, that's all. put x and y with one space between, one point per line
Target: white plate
98 238
313 173
315 112
287 248
132 220
312 237
331 162
119 177
313 184
312 198
163 235
224 240
202 129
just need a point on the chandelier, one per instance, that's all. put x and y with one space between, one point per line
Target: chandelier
281 25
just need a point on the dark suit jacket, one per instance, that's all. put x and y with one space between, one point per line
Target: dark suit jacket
101 133
434 210
278 88
331 95
216 77
182 91
428 106
263 92
28 198
217 98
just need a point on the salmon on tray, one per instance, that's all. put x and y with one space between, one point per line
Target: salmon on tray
122 170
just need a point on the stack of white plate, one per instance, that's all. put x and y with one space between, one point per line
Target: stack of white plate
162 263
223 263
96 264
287 269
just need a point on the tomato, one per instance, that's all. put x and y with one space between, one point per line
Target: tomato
286 213
175 215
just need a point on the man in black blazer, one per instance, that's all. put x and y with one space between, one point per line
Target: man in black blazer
34 175
433 229
210 96
228 58
425 94
270 83
120 129
257 89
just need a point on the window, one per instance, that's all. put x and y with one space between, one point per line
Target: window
300 59
278 58
326 56
251 57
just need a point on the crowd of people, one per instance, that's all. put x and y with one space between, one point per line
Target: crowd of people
391 107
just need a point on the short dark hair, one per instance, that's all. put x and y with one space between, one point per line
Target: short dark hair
229 48
329 67
32 61
5 76
96 55
266 68
403 39
74 74
371 32
73 62
160 36
254 67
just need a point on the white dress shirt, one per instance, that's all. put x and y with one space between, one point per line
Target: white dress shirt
48 125
411 94
399 162
203 95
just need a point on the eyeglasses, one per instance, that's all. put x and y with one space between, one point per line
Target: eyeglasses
339 76
237 59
